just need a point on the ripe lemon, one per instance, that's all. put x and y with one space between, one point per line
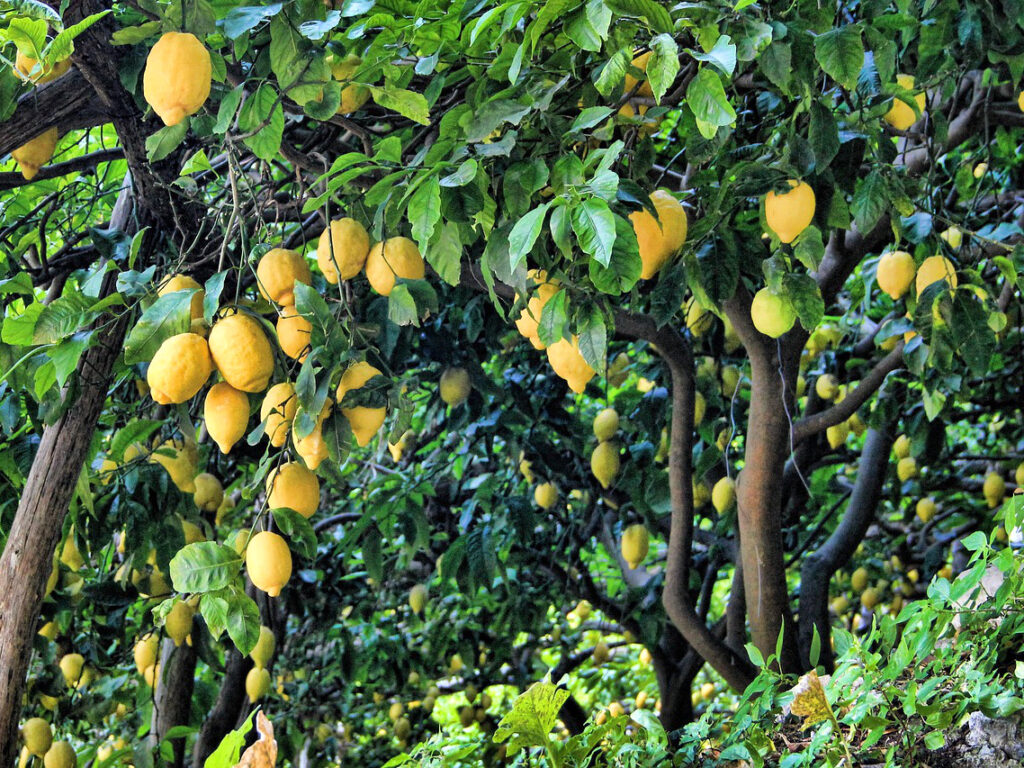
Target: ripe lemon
257 684
312 448
395 257
700 406
789 214
455 386
635 544
869 598
604 463
69 554
292 486
145 652
342 253
180 465
606 424
994 489
723 494
263 651
294 333
60 755
402 728
529 318
601 652
900 115
278 411
242 353
645 90
901 447
71 667
418 598
209 492
698 320
932 270
193 533
545 495
278 271
659 239
906 469
269 562
926 509
178 622
37 736
25 68
151 675
34 154
365 422
226 411
179 369
826 386
175 283
859 580
49 630
177 79
895 273
953 237
405 442
568 363
1020 101
353 95
772 312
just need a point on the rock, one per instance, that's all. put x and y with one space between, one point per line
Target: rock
982 742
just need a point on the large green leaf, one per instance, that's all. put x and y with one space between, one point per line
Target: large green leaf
168 316
532 717
204 566
594 225
840 52
706 97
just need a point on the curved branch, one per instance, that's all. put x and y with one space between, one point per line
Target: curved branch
12 179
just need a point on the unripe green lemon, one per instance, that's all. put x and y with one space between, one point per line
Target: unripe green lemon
772 313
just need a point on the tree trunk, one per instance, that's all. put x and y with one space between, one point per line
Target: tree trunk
172 702
224 715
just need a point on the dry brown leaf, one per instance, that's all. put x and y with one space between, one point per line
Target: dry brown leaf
263 752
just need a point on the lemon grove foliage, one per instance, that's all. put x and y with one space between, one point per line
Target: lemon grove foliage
448 347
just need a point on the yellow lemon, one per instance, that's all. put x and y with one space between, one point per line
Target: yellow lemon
353 95
606 424
178 75
151 675
1020 101
635 544
269 562
772 313
932 270
178 622
895 273
292 486
529 318
49 630
180 465
342 249
26 68
901 115
906 469
953 236
313 448
869 598
455 386
396 257
179 369
859 580
926 509
278 271
34 154
257 684
60 755
723 494
71 667
226 412
263 651
175 283
242 353
365 422
901 447
37 736
789 214
994 489
209 492
604 463
278 411
568 363
601 654
826 387
418 598
145 652
294 333
545 495
659 239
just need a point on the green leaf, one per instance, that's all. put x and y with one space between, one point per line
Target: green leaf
238 21
706 97
300 533
524 234
135 35
553 319
204 566
211 301
61 318
824 135
593 339
406 103
589 117
227 752
776 65
168 316
261 120
464 174
214 608
870 200
444 253
722 55
588 27
663 65
803 291
160 144
594 225
613 73
840 52
62 45
810 248
402 306
532 717
623 270
243 620
137 431
424 211
651 12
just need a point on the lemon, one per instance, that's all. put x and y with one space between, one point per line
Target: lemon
869 598
606 424
242 353
342 253
145 652
659 239
529 318
926 509
601 652
698 320
209 492
932 270
568 363
294 333
604 463
71 667
701 494
37 736
789 214
772 312
837 434
26 68
405 442
417 598
901 447
69 554
269 562
175 283
994 489
180 465
292 486
313 448
723 494
226 412
49 630
1020 101
1018 475
179 369
700 406
278 412
826 386
859 579
365 422
635 544
178 622
178 75
895 273
953 236
60 755
545 495
645 90
402 728
396 257
257 684
353 95
901 115
617 372
278 271
906 469
455 386
263 651
34 154
151 675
